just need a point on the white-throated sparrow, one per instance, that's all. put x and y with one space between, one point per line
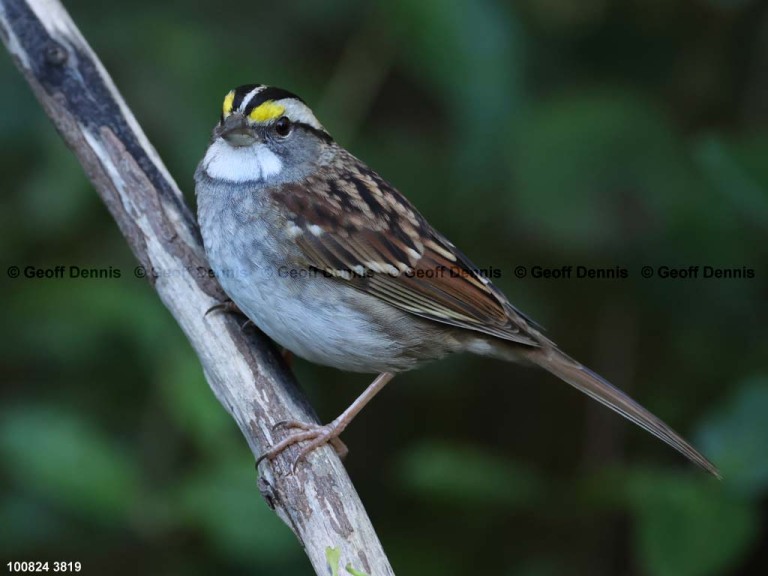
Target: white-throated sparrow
334 264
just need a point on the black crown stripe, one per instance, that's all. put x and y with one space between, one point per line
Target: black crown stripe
266 95
240 93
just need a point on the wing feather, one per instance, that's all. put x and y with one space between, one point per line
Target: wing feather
360 230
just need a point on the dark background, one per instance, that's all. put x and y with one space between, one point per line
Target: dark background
539 133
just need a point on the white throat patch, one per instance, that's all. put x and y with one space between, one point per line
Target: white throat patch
240 164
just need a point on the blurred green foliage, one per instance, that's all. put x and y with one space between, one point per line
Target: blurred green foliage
532 133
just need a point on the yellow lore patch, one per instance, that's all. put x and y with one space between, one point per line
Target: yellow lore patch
266 111
227 106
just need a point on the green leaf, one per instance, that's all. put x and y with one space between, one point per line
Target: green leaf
471 52
735 438
332 556
687 525
222 500
193 406
727 167
584 159
69 461
354 572
465 476
33 523
53 215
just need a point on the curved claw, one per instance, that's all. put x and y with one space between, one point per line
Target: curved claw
228 307
318 435
283 444
215 308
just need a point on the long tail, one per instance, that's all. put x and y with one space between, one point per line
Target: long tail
582 378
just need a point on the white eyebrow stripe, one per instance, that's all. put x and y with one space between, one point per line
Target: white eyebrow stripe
300 112
248 97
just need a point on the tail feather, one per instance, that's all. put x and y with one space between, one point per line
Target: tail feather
583 379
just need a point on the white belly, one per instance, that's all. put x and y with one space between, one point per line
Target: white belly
309 317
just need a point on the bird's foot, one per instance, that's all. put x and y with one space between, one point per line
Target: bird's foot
316 434
229 307
329 434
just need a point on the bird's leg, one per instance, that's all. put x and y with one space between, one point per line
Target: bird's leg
318 435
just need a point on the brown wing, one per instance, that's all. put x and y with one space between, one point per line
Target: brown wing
358 228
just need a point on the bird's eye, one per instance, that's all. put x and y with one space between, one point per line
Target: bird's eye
283 127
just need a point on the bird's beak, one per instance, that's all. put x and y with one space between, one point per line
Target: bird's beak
236 131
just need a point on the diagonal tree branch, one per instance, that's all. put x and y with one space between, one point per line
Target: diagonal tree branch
318 502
